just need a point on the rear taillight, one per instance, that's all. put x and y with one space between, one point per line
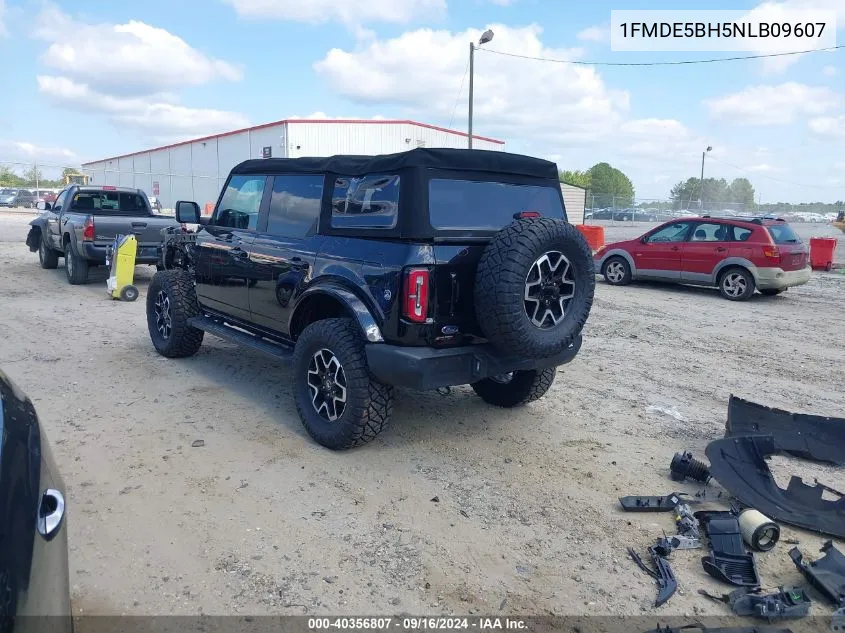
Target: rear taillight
88 230
772 253
415 306
526 215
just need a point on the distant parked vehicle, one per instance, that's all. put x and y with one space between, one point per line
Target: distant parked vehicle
155 203
17 198
736 255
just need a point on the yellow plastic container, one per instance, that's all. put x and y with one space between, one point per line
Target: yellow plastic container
123 269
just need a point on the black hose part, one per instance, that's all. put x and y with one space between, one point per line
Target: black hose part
684 466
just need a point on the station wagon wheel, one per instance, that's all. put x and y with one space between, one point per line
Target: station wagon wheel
736 284
617 271
327 383
549 287
164 323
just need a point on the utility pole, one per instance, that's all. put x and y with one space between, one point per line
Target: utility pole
485 37
701 186
35 165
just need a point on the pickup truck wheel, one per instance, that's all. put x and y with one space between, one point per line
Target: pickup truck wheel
76 267
516 388
47 256
171 301
534 287
339 402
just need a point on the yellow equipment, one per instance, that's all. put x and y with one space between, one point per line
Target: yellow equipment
122 272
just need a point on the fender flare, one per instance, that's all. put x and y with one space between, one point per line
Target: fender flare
354 305
734 261
618 252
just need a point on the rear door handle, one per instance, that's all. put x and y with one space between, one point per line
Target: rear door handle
51 511
721 249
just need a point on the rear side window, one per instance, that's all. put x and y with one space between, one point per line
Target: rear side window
782 234
487 205
109 203
367 202
295 205
740 233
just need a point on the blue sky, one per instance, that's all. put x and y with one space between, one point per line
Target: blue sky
93 79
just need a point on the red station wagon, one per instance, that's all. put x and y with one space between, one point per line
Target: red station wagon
736 255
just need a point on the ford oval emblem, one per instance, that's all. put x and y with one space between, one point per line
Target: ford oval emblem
448 330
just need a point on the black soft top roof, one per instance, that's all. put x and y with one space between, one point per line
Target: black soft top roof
477 160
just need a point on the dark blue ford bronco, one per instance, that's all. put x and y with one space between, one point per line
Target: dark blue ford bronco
423 269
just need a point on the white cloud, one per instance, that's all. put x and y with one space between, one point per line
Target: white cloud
832 127
24 150
322 116
502 3
127 58
598 33
158 114
3 30
345 11
773 105
788 11
762 168
421 70
829 71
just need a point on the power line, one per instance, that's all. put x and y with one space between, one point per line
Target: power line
671 63
788 182
458 97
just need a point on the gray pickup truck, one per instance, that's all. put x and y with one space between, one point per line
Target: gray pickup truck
83 222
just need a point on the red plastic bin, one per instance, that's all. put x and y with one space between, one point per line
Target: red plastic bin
821 252
593 234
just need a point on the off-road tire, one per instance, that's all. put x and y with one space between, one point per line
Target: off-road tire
369 403
47 257
746 276
525 386
626 271
76 267
183 340
772 292
500 286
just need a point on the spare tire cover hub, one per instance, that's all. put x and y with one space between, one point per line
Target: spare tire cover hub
549 287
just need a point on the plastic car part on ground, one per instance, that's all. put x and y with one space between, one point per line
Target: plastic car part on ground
788 602
758 530
837 622
728 560
684 466
662 573
812 437
700 628
827 574
665 503
739 465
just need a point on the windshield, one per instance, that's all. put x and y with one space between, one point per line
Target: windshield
783 234
109 202
485 205
8 192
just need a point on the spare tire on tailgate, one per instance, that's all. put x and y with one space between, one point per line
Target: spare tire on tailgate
534 287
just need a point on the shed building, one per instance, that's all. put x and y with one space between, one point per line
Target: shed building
196 169
575 200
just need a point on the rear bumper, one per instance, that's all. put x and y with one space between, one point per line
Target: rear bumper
93 252
426 368
777 278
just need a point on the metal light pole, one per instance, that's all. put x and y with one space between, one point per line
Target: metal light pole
701 188
485 37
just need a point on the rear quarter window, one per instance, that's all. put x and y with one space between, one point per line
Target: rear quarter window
782 234
365 202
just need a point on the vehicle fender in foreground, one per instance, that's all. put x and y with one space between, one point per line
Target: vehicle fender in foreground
354 306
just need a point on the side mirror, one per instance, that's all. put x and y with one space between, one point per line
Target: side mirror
43 206
187 212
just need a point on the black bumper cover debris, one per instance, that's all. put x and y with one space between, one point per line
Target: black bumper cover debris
739 465
812 437
827 574
791 602
651 503
728 560
662 574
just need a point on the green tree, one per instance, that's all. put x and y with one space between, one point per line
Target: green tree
9 178
742 192
609 186
576 178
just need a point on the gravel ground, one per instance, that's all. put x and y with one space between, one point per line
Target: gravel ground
457 508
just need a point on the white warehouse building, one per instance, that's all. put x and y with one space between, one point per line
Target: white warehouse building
196 169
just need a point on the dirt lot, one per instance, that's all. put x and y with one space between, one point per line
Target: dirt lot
262 520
